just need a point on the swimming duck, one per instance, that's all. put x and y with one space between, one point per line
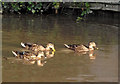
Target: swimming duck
81 48
36 47
28 55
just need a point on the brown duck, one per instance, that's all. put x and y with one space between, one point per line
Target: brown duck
82 48
36 47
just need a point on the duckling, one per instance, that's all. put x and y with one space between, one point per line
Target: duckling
36 47
81 48
28 55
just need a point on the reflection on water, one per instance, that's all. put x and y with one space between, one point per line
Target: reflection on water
63 64
31 62
92 55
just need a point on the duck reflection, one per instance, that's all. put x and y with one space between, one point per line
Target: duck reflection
92 55
39 62
41 58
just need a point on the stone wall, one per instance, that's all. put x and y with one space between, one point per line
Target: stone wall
105 6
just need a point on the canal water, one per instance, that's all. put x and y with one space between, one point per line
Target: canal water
64 65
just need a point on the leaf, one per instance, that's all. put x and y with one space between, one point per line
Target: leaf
79 18
29 8
33 11
37 10
30 2
3 3
21 5
82 13
86 4
54 3
33 5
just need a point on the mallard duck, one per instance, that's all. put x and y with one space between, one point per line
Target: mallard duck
28 55
36 47
81 48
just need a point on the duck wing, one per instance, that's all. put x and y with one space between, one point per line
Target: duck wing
18 54
71 46
81 48
27 44
24 54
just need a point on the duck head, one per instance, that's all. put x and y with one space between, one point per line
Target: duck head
92 46
50 46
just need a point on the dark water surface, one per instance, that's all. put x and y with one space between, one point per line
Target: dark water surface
65 65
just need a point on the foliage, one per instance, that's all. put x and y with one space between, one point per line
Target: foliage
20 7
34 7
85 9
56 5
39 7
78 19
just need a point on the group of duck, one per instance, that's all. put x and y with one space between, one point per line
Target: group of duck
37 51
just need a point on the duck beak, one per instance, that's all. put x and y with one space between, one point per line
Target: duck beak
53 49
53 52
96 48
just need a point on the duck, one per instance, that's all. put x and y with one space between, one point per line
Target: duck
28 55
36 47
82 48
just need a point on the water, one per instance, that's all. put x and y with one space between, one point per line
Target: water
65 65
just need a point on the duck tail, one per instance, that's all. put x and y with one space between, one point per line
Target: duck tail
14 53
66 46
23 45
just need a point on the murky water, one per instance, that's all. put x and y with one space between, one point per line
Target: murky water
65 65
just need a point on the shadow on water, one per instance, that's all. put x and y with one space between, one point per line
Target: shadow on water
65 65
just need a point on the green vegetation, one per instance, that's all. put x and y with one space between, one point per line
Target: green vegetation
21 7
43 7
56 6
78 19
85 8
